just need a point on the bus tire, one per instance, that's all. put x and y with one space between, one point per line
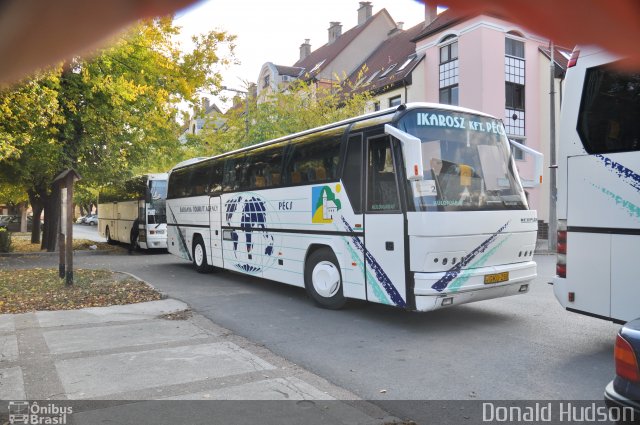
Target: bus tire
108 236
200 256
135 243
323 280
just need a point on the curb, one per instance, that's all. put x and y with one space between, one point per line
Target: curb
163 294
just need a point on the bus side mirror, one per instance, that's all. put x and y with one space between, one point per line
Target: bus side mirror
412 150
538 158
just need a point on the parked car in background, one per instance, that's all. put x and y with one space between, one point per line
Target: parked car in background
624 390
81 219
6 220
92 220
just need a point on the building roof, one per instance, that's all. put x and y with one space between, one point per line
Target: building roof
561 57
291 71
390 64
320 58
213 108
443 21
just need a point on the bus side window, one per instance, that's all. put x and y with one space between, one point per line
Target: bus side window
352 173
382 189
233 173
215 177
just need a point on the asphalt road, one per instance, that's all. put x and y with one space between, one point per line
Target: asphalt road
524 347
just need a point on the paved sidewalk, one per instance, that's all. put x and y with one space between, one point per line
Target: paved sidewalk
160 350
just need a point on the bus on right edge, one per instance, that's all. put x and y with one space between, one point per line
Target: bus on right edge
598 175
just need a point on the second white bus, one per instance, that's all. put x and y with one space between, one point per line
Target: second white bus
143 199
418 207
599 189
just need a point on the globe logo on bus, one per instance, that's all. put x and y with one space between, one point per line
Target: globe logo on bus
252 242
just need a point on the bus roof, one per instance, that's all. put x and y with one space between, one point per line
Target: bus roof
389 111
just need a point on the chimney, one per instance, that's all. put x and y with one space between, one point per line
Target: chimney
430 12
364 12
253 90
335 31
400 25
205 104
305 49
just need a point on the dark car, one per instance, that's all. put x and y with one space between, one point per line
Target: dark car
624 390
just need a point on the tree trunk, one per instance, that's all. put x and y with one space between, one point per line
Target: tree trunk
37 205
23 217
51 221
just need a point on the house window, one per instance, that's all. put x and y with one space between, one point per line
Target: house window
514 94
448 73
449 95
395 101
518 154
266 82
376 106
514 48
514 76
449 52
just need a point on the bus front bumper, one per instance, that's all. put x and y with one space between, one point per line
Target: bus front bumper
469 285
154 243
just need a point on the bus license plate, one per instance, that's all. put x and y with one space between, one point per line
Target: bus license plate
496 278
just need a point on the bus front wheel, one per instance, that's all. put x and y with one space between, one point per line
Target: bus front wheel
200 256
323 280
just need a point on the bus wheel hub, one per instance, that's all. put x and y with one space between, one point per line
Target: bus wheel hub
326 279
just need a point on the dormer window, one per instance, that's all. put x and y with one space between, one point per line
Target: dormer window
317 66
374 75
407 62
388 70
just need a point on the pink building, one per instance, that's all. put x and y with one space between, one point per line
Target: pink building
489 64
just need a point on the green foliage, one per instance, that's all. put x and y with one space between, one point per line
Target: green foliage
303 105
12 194
109 116
5 240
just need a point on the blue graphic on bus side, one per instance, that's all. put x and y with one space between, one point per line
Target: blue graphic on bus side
381 276
626 174
454 271
253 218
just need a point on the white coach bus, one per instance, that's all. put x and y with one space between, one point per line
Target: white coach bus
142 198
599 189
418 206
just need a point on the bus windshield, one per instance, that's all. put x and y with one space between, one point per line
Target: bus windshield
158 201
467 166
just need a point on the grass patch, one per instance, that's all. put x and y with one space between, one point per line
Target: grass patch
21 242
23 290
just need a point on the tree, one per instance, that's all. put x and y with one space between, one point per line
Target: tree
108 116
301 106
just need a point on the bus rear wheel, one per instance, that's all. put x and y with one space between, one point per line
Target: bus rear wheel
200 256
323 280
107 233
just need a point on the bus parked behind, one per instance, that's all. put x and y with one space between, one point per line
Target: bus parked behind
140 202
599 189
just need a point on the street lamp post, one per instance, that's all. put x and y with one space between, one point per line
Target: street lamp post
246 101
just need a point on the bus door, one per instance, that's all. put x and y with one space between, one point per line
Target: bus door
215 230
384 226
